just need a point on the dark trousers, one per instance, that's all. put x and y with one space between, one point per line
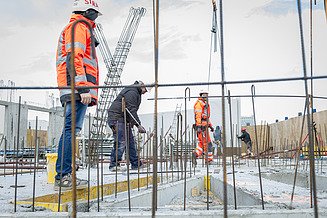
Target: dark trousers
118 128
65 142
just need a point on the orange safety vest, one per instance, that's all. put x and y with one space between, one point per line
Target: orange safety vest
86 67
202 112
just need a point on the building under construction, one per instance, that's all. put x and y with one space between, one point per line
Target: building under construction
283 175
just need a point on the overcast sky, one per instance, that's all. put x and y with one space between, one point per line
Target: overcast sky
261 41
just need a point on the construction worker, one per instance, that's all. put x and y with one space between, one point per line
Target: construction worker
132 96
217 138
246 138
202 123
86 74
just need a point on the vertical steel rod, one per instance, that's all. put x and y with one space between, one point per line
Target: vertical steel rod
138 161
62 157
156 67
17 146
223 104
89 165
5 158
73 107
309 120
126 136
257 146
34 172
161 149
116 173
232 144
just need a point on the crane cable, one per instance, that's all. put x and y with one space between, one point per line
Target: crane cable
214 36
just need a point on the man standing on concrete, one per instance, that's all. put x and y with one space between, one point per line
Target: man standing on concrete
86 74
246 138
132 96
202 123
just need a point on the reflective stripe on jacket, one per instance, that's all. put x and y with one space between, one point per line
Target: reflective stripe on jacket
86 67
201 112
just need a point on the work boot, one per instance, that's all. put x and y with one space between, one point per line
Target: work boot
138 167
67 184
113 168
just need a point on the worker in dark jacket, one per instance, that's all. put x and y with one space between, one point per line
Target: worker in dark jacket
245 137
132 95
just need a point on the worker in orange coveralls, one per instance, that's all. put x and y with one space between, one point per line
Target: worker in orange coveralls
202 123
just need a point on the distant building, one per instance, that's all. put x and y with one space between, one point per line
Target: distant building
247 121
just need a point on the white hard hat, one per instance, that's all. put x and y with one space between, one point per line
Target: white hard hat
203 91
84 5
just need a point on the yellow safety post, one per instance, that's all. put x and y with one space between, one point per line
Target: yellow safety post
205 182
51 166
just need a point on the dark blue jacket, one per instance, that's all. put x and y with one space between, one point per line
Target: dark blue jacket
132 96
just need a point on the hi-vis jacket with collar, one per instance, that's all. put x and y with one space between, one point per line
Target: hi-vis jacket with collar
202 112
87 73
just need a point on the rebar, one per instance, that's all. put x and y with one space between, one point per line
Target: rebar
61 158
34 172
187 89
73 105
232 144
89 166
257 146
17 145
309 120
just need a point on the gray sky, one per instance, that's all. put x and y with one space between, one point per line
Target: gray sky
261 41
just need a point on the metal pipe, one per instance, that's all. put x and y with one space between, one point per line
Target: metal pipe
16 171
257 146
232 144
187 89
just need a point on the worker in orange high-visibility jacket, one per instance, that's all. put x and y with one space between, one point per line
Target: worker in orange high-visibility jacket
202 123
86 73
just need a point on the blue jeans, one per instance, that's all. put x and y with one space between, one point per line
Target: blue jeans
67 136
120 130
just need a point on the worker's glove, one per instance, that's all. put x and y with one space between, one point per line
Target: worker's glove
198 129
141 129
211 128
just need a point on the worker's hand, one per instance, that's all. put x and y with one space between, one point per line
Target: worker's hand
211 128
141 129
86 98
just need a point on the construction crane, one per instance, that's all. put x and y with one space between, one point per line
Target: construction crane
114 64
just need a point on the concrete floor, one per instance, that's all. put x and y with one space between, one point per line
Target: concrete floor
277 179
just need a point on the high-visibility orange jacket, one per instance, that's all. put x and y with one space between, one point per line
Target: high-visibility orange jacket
202 112
86 67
